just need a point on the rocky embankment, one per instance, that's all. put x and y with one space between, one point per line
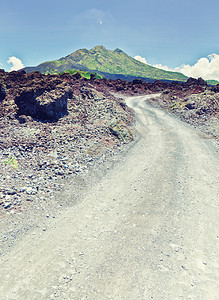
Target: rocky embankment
52 128
195 103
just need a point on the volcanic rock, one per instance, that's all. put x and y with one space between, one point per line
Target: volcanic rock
199 81
137 81
53 127
49 105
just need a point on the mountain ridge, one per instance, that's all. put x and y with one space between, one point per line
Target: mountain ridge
111 64
100 59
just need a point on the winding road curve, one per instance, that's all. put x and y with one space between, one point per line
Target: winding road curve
147 230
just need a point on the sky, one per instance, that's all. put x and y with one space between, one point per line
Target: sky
179 35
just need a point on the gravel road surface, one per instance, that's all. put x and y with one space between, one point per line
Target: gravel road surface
147 230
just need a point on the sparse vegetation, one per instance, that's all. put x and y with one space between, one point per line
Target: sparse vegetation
12 161
212 82
85 74
177 105
121 131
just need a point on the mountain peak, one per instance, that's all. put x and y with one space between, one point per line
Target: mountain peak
98 48
118 50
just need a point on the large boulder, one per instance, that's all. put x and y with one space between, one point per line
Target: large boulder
193 81
46 105
43 97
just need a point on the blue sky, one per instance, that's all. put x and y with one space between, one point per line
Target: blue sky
164 32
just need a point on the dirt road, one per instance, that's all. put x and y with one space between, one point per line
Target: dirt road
147 230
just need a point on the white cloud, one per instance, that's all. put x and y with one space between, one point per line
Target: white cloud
16 63
166 68
141 59
159 66
205 67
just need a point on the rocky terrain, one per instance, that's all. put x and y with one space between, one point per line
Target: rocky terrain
55 127
151 218
51 128
194 101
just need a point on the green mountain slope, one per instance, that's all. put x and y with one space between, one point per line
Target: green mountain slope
212 82
109 61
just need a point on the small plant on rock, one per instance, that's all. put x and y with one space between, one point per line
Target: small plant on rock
12 161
